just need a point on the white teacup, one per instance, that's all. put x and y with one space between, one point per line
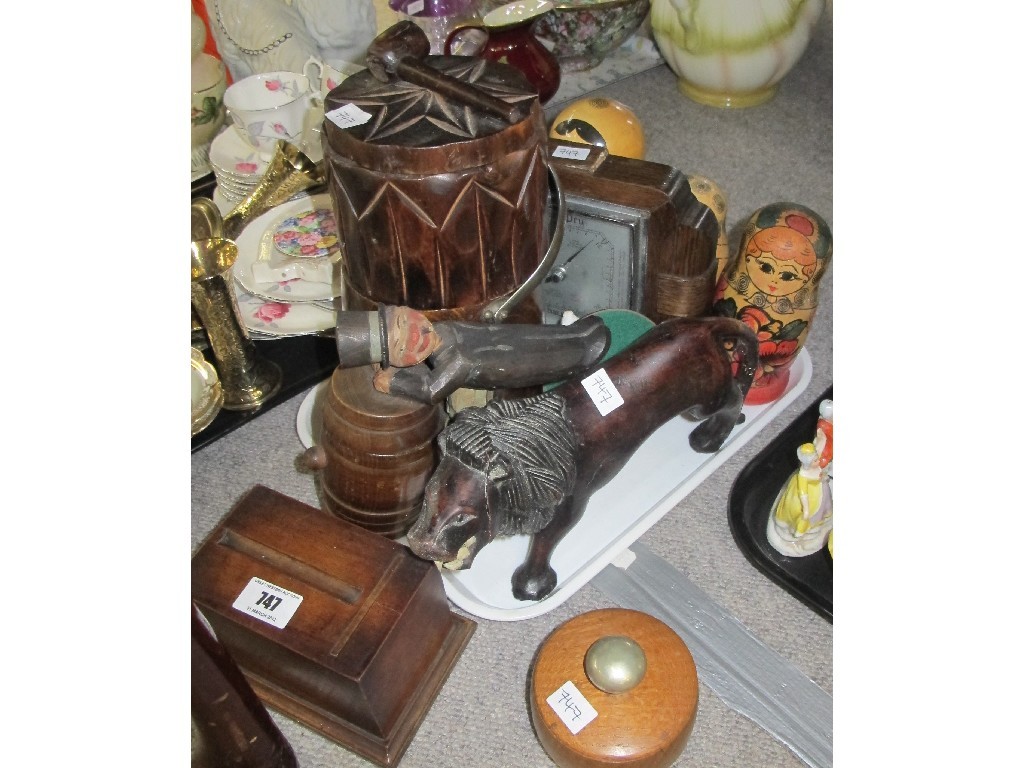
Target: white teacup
269 106
328 74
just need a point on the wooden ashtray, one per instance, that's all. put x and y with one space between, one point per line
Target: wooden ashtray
642 714
337 627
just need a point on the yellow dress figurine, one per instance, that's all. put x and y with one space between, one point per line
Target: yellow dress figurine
801 516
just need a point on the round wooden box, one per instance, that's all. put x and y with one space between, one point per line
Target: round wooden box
646 726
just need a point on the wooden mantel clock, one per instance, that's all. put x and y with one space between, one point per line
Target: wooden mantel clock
635 238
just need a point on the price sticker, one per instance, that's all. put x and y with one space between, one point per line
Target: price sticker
267 602
571 153
603 392
571 707
348 116
414 7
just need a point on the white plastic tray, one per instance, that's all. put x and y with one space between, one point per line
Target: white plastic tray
661 473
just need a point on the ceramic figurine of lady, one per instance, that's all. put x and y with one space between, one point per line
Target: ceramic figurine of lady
772 286
801 517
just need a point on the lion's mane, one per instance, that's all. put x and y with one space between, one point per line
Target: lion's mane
528 449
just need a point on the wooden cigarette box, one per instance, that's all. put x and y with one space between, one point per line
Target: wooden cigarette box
337 627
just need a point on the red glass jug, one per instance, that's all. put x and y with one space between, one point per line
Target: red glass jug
506 35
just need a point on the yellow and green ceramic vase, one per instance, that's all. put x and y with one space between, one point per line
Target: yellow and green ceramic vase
732 53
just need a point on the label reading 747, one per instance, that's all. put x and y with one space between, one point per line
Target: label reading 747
572 707
267 602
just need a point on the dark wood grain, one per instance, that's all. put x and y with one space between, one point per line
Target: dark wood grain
369 647
531 465
233 726
441 206
378 452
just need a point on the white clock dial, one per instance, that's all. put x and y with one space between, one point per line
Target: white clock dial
593 269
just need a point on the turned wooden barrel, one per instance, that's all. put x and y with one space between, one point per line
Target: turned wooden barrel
378 452
441 206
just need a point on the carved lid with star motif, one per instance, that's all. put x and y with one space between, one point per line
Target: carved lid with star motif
400 121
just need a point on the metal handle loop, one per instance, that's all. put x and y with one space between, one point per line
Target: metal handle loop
498 310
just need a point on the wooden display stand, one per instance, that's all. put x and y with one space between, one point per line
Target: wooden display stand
646 726
371 639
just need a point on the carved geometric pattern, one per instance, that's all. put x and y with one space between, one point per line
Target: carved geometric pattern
446 240
466 226
412 116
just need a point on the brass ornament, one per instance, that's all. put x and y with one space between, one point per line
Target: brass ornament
247 380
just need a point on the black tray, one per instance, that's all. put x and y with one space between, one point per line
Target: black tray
304 361
809 578
204 186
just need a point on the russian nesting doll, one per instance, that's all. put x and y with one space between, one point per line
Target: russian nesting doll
772 285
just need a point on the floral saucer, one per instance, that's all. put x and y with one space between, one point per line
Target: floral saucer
258 252
267 318
232 157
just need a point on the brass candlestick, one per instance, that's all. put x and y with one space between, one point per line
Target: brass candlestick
248 380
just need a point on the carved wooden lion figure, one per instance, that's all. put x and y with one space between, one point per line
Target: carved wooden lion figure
529 466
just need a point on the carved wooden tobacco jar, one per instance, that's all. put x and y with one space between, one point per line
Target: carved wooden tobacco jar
439 180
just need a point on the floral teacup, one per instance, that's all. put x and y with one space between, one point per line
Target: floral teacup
329 74
270 106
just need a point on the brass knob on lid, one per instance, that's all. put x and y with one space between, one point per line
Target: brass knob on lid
615 664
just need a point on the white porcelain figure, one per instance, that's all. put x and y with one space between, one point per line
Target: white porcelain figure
198 34
801 516
255 36
732 53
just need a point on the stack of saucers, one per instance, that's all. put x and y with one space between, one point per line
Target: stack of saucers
237 165
288 272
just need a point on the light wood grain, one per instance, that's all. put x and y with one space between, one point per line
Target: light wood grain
647 726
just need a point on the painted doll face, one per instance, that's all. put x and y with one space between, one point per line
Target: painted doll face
773 276
411 337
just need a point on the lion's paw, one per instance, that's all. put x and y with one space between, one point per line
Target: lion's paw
533 587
